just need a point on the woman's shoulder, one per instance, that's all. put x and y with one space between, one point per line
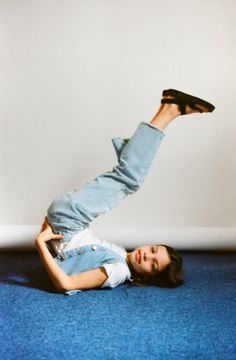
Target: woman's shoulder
117 273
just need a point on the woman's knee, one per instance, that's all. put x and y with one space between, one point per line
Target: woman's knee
132 187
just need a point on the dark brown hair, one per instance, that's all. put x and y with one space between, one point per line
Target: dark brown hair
170 277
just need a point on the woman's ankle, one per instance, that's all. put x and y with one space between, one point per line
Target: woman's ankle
166 114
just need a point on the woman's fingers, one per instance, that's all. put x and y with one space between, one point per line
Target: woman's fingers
52 236
46 233
58 236
45 224
44 236
46 221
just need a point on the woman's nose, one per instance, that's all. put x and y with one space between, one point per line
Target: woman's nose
149 256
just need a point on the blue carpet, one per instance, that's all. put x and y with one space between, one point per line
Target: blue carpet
194 321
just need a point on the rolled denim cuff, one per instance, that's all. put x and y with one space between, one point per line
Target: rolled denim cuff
119 142
155 127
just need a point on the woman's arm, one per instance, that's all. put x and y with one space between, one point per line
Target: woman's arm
86 280
63 282
57 275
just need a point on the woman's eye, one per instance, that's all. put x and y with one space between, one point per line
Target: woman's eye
154 268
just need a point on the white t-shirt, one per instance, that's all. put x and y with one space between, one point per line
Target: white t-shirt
117 273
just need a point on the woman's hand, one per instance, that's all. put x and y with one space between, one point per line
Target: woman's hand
46 233
59 278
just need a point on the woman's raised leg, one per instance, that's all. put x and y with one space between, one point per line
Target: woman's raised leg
73 211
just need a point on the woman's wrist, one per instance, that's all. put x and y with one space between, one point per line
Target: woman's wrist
39 242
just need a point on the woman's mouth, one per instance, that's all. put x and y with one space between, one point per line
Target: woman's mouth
138 256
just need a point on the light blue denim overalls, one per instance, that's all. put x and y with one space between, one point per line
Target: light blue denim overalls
86 258
73 211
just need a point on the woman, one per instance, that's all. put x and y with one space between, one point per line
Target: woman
79 260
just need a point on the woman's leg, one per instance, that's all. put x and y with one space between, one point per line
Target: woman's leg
73 211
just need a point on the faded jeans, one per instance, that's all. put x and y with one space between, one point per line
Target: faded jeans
73 211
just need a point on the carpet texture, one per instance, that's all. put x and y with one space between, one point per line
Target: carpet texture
194 321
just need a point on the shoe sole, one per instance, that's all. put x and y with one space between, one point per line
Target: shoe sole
194 99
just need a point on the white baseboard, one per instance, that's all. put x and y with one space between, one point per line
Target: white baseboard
181 238
21 237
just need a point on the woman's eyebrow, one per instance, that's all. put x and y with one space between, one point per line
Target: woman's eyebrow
157 260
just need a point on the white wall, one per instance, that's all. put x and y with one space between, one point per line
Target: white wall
76 73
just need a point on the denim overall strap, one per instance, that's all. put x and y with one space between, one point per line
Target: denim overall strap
73 211
86 258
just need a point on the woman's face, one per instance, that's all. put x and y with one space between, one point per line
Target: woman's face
149 259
